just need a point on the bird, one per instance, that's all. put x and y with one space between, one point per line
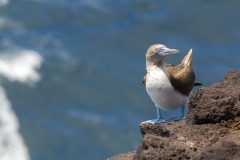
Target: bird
168 85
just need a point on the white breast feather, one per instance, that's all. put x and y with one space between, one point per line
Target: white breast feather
161 91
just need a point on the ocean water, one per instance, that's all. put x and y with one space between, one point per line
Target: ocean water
71 71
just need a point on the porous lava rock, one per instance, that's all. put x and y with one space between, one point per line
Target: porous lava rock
209 132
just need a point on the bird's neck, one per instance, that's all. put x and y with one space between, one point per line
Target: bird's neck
160 65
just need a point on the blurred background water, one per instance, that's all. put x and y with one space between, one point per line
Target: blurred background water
71 71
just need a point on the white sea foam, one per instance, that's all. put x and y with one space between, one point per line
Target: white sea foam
16 65
20 65
12 146
4 2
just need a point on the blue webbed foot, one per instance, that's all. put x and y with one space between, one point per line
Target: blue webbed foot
155 121
160 119
181 117
176 119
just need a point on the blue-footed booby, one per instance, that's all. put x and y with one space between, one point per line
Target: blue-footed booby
169 86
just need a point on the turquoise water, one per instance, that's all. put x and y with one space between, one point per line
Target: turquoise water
85 100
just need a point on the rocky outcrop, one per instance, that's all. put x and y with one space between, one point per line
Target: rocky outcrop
209 132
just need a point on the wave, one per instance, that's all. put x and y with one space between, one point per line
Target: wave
16 65
12 146
20 65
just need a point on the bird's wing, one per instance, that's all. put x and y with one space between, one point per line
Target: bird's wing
170 68
187 60
181 77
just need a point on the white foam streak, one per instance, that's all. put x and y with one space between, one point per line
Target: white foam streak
20 65
16 65
12 146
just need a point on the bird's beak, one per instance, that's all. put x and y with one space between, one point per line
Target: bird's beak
167 51
162 52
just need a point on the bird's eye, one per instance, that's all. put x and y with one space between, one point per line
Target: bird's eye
160 49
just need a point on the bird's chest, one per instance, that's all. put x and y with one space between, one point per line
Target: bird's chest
157 81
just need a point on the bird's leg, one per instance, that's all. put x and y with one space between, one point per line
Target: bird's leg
159 118
182 112
181 116
159 115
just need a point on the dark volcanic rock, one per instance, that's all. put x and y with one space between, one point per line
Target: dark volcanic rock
209 132
217 102
183 141
229 149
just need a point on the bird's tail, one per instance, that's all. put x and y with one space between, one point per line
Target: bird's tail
187 60
197 84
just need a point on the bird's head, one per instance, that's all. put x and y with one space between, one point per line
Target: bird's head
157 52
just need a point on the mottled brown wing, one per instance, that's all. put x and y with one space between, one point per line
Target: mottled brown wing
144 80
182 77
